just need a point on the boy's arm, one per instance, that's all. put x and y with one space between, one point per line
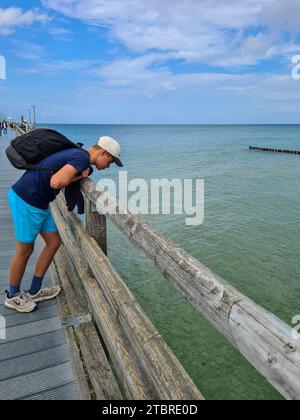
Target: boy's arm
66 176
83 175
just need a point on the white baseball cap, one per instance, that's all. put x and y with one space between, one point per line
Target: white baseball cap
111 146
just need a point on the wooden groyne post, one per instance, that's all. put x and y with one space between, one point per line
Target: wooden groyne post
268 149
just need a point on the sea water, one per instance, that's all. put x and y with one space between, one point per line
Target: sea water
250 235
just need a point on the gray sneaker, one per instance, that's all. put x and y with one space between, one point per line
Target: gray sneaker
44 294
20 303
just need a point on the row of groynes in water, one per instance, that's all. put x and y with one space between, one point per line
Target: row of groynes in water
267 149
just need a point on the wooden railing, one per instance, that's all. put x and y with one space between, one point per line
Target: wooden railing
124 355
18 130
144 367
144 364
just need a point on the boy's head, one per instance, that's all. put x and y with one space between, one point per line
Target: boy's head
105 152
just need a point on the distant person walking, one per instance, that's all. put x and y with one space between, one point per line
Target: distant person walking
5 128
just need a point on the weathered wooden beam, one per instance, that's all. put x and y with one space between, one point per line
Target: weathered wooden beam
77 367
95 361
163 371
273 352
120 348
96 225
19 131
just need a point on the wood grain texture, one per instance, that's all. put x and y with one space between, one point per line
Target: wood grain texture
235 316
148 367
96 225
94 358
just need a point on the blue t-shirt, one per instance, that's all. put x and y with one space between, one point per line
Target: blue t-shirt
34 186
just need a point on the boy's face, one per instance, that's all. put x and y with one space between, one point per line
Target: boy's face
103 160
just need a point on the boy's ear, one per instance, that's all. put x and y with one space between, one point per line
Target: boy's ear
99 153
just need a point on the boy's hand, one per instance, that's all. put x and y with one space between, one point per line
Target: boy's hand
66 176
86 173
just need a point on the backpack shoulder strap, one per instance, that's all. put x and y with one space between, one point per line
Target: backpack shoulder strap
44 168
39 168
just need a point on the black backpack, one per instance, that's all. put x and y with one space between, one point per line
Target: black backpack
29 149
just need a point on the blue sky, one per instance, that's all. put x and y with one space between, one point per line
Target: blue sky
124 61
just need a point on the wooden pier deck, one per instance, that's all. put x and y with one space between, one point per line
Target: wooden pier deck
34 361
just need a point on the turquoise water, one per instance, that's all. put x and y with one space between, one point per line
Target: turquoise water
250 235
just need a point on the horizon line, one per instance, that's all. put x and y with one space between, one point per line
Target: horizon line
171 124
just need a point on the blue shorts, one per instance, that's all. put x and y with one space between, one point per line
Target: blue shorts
29 221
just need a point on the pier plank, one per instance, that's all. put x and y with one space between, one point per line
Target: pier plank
33 383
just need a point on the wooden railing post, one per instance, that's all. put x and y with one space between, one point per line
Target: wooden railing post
96 225
145 366
262 338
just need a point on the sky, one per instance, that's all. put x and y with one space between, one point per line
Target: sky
151 61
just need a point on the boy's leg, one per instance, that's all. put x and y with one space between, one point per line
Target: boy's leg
53 243
16 300
37 293
19 263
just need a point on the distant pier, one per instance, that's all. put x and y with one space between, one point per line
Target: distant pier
268 149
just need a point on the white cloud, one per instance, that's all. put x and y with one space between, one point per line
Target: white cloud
204 31
281 15
14 17
61 33
149 76
29 50
39 62
229 34
52 68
